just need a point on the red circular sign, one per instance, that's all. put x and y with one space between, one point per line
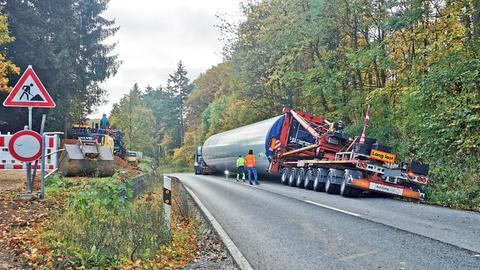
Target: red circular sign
25 145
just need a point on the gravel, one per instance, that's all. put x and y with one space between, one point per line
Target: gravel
212 254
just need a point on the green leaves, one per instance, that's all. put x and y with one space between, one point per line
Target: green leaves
136 120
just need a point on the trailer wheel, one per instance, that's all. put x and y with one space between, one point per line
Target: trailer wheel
284 176
319 181
349 191
329 186
300 178
309 179
292 177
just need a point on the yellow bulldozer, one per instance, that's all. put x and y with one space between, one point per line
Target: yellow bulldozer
88 152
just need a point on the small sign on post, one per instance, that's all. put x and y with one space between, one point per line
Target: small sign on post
167 201
29 92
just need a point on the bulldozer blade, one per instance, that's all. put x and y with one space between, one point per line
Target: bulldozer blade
73 162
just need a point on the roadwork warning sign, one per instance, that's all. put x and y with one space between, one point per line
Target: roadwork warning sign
29 92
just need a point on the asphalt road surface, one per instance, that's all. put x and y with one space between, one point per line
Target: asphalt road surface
280 227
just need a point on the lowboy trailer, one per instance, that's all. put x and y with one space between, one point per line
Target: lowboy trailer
337 163
310 152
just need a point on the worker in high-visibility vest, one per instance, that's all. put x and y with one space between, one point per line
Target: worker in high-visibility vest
240 168
250 163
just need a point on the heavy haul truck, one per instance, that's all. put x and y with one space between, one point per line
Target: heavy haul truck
313 153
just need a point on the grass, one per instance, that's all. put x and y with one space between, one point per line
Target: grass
102 226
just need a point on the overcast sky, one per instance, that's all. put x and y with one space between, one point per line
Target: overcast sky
155 34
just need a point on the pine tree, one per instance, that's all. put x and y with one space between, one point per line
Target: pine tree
179 88
64 41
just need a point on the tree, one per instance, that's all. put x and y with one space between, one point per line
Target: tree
135 120
162 105
416 62
178 87
65 42
6 66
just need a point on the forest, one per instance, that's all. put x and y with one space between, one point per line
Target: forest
64 40
415 62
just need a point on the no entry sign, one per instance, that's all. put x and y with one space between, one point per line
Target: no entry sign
26 146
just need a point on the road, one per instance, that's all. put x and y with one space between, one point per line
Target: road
280 227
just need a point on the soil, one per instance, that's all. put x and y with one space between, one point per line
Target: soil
11 180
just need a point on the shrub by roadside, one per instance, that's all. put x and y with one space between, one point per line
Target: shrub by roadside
102 225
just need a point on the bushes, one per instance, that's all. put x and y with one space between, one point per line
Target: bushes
102 227
455 185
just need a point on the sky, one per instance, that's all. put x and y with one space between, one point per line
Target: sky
155 35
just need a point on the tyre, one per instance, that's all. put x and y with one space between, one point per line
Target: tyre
292 177
284 176
320 179
345 189
309 179
300 178
331 186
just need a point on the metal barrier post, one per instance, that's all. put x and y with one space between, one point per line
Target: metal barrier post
44 159
167 201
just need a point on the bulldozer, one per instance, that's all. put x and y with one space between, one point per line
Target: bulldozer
88 152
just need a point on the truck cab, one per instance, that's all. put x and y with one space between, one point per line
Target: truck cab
132 157
200 167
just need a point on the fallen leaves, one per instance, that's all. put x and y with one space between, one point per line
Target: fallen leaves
20 225
24 230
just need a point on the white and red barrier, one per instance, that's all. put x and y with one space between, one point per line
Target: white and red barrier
7 162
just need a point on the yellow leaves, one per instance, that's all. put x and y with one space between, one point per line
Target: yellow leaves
6 66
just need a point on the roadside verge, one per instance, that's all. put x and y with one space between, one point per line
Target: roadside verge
236 254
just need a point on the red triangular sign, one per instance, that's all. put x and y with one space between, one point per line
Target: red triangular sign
29 92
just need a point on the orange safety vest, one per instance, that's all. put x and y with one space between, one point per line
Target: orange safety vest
250 161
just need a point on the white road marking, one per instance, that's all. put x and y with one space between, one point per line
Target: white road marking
237 255
334 209
315 203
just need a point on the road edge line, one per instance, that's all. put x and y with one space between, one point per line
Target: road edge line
237 255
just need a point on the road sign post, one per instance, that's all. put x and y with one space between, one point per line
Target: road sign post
26 146
29 165
29 92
